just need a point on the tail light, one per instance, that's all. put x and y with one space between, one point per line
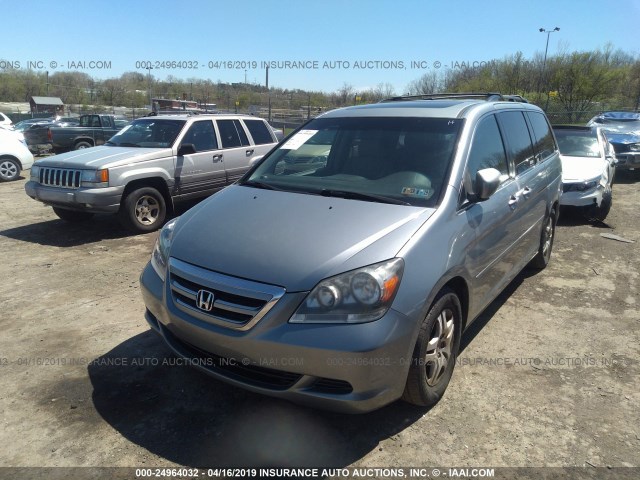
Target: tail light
49 135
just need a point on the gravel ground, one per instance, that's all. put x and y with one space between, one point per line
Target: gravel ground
548 375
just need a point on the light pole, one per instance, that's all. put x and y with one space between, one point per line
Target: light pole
543 83
149 86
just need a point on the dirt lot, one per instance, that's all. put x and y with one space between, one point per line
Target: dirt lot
548 375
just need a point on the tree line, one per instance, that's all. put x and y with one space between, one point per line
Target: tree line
575 83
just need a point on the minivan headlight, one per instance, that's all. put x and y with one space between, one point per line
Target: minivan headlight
160 254
357 296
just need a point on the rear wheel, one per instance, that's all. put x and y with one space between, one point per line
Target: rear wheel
541 260
435 352
72 216
143 210
9 169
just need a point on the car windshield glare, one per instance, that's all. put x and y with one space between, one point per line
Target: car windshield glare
402 160
148 133
578 144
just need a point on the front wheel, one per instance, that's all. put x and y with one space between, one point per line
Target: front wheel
599 213
541 260
9 169
435 352
72 216
143 210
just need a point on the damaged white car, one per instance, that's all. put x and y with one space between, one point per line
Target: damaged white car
588 168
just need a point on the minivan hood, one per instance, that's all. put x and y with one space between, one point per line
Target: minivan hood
101 157
289 239
581 168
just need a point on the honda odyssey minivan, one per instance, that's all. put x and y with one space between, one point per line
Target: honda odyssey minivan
346 282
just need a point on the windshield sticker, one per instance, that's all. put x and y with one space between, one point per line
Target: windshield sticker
298 139
417 192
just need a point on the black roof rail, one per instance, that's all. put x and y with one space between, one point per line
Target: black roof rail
488 96
573 127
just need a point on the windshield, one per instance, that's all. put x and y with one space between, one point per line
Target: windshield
578 144
401 160
148 133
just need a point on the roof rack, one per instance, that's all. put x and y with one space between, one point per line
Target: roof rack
488 96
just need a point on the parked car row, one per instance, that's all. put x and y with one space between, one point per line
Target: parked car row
372 234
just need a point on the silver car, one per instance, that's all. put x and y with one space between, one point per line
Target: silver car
346 285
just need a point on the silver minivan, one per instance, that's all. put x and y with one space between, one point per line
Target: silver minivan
342 269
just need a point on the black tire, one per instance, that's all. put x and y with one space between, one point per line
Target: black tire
143 210
82 145
548 234
599 213
9 169
428 377
72 216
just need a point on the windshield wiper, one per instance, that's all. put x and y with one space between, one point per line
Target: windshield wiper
109 142
263 185
125 144
369 197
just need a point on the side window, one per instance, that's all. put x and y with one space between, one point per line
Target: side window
518 142
487 150
202 135
544 143
232 134
106 122
259 131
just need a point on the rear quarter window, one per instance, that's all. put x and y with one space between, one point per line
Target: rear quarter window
259 131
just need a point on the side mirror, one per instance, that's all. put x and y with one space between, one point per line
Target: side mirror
186 149
255 160
611 159
487 182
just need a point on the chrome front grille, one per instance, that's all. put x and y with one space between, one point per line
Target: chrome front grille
220 299
60 177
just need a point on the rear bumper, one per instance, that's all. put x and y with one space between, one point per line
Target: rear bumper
96 200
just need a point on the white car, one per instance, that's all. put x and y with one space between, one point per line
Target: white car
14 155
5 121
588 168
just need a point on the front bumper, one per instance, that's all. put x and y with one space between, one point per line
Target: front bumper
352 368
628 160
96 200
582 199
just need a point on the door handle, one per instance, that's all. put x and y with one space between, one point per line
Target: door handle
217 158
249 153
525 191
513 201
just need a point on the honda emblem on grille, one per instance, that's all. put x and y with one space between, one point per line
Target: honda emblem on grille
204 300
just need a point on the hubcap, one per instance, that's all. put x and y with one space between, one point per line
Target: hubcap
439 347
147 210
8 169
548 238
